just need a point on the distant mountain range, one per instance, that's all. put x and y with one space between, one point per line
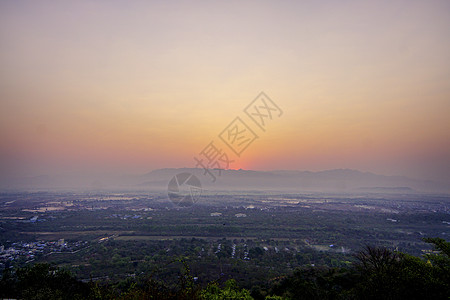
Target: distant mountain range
339 180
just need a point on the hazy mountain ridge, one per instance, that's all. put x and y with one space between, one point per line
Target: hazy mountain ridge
328 180
336 180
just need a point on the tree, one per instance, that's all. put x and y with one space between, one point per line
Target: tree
389 275
230 291
43 281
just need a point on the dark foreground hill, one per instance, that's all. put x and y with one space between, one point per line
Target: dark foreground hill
379 274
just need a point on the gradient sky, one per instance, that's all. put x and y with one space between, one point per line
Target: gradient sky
131 86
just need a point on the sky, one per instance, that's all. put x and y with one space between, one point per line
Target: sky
132 86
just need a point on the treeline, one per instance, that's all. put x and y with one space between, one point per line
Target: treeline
379 273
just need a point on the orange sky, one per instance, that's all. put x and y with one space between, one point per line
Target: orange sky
114 86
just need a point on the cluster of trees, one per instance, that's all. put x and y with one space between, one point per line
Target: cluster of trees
378 274
44 281
120 259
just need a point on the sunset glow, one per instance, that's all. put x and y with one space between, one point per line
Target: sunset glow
130 87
